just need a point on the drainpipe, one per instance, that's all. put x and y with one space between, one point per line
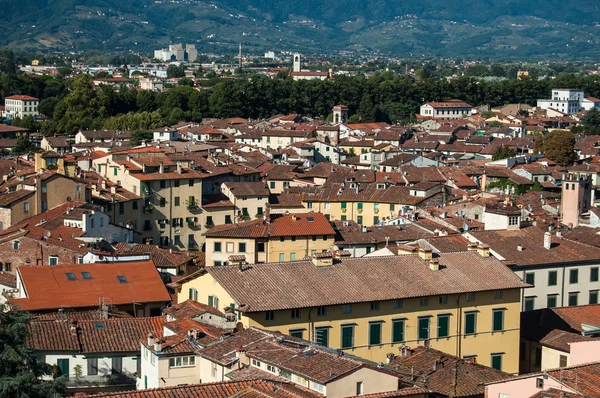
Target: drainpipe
458 327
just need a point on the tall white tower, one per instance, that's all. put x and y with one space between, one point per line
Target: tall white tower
297 67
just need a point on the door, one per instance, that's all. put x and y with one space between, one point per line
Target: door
63 365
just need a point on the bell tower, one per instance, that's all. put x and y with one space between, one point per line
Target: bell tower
340 114
297 65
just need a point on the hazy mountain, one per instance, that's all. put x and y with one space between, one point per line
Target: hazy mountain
439 27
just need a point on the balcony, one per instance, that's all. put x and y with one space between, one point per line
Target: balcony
148 209
92 382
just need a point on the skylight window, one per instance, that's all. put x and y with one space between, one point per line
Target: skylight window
310 219
99 325
71 276
122 279
86 275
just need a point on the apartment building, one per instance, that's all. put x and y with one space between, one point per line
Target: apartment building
19 106
561 272
276 237
453 109
372 307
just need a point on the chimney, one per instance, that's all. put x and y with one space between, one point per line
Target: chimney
150 339
294 218
547 240
178 168
558 233
240 354
425 254
520 248
483 250
472 247
103 184
161 168
324 259
157 345
434 264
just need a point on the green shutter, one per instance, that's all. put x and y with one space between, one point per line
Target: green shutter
299 334
210 301
497 362
347 336
443 325
397 331
498 320
322 336
375 333
470 323
552 278
423 328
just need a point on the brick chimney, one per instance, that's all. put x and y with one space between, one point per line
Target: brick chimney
425 254
547 240
483 250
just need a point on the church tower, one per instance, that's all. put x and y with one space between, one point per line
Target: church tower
340 114
297 66
576 197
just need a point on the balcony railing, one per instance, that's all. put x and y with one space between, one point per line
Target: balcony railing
99 380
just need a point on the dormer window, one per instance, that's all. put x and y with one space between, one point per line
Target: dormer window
16 245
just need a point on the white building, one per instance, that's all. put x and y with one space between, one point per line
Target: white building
151 85
165 134
18 106
453 109
565 100
590 102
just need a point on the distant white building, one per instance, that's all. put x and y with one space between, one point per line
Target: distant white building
165 134
565 100
18 106
151 85
590 102
453 109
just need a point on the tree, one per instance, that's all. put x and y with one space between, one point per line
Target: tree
503 153
558 146
20 367
23 145
141 136
47 106
175 71
591 121
185 81
79 110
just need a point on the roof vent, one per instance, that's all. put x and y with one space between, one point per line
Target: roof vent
425 254
483 250
547 240
324 259
434 264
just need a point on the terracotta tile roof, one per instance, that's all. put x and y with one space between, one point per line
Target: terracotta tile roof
172 175
286 200
447 244
240 189
7 199
531 239
353 233
280 225
216 201
469 376
191 309
22 98
58 142
364 193
162 258
224 389
259 287
49 288
106 134
404 392
555 393
560 340
584 379
8 279
84 315
92 336
252 373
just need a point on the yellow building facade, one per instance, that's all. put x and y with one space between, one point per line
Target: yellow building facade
483 325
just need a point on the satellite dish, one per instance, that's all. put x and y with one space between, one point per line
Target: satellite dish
465 227
68 198
47 234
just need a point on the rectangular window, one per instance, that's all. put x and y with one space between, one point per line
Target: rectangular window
228 219
573 276
213 301
397 331
496 361
292 256
295 313
529 303
297 333
552 278
272 184
423 331
497 320
53 260
562 361
242 247
359 220
593 297
281 257
26 207
594 274
424 301
374 305
573 298
347 336
530 278
321 311
92 366
163 202
374 333
193 294
443 326
498 294
347 308
217 247
343 205
359 388
470 322
176 200
398 304
444 299
269 315
322 336
551 300
470 296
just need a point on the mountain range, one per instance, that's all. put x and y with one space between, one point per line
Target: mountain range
404 28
